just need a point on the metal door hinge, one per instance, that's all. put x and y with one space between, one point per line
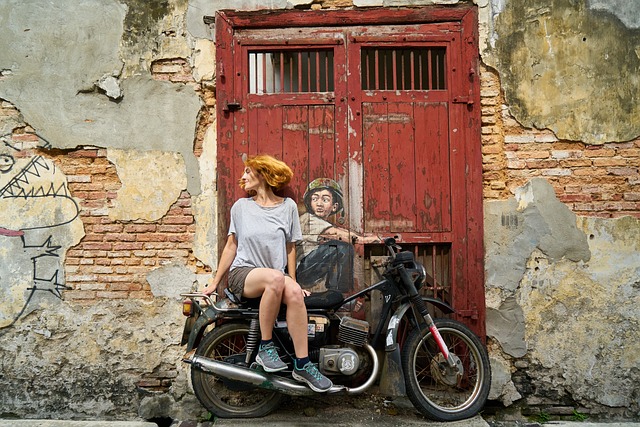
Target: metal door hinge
464 99
472 314
231 106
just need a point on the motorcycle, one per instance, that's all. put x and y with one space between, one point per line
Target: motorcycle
439 364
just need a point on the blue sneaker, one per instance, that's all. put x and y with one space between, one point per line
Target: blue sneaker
313 377
269 359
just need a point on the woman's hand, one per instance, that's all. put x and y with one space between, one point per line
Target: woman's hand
305 292
210 288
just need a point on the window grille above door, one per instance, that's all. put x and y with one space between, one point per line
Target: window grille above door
403 68
291 71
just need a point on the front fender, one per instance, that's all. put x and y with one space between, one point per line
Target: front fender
392 378
391 341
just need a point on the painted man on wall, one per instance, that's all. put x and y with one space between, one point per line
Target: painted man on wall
325 255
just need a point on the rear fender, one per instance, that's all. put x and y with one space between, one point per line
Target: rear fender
207 317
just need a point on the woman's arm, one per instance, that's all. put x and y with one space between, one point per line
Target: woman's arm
291 259
349 237
291 265
228 254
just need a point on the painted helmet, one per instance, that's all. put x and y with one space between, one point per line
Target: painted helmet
324 184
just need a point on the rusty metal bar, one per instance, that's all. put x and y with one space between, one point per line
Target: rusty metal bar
300 71
309 77
368 68
394 69
437 73
281 73
412 69
316 54
264 73
291 74
430 71
377 69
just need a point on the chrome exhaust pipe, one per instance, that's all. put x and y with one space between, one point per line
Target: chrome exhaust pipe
256 378
270 381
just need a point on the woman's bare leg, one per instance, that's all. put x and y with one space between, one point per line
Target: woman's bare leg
296 317
270 284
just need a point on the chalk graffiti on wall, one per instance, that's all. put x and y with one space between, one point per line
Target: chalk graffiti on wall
36 211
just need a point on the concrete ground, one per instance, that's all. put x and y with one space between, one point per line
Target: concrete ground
277 421
334 411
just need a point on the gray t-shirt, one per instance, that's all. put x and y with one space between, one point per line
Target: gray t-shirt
263 233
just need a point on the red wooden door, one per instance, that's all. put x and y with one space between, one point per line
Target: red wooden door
385 107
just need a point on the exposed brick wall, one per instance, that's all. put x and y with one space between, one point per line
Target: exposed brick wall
114 257
602 180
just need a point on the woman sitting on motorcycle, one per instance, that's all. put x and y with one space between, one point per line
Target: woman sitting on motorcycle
261 243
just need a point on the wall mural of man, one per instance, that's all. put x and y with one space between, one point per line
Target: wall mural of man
325 255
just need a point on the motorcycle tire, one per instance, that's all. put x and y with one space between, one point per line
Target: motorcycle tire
224 341
436 390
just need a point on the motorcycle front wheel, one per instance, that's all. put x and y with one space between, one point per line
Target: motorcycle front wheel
219 344
438 391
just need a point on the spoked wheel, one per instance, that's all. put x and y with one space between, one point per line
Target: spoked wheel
441 392
236 401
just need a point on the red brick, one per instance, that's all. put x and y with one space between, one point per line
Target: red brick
628 171
140 295
610 161
128 246
120 237
112 295
171 220
172 228
567 198
96 246
140 228
125 287
108 228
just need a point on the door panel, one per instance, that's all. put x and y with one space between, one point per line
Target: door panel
406 167
433 183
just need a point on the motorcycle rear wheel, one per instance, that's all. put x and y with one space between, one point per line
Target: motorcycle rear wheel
437 391
224 341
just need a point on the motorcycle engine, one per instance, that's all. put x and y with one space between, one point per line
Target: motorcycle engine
345 360
338 360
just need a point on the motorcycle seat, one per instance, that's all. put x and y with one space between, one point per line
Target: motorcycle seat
320 300
327 299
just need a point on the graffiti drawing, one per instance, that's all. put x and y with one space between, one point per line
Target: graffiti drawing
35 207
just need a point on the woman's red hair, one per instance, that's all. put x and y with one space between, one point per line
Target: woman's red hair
275 172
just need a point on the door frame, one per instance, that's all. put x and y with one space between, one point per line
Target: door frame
464 105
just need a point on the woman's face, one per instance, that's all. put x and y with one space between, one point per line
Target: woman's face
251 179
322 203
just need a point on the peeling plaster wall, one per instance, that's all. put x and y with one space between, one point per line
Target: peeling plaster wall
79 75
562 304
162 181
570 66
59 92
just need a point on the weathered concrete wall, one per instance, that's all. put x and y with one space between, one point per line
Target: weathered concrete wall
562 304
563 66
108 128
